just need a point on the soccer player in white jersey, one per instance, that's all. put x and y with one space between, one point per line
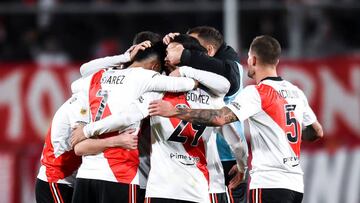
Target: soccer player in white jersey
141 40
56 177
279 117
216 85
112 176
185 165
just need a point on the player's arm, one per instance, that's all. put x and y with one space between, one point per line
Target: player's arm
129 115
115 122
112 61
239 148
313 129
217 84
226 68
238 145
126 140
246 104
119 121
312 132
103 63
163 83
207 117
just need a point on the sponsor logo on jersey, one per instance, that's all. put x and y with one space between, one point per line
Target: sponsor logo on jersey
236 105
291 161
184 159
73 99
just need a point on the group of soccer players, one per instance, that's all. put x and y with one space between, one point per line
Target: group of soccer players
141 126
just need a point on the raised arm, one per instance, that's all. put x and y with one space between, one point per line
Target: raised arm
224 67
103 63
163 83
217 84
112 61
208 117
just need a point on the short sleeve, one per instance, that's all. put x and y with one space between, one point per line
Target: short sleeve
309 116
246 104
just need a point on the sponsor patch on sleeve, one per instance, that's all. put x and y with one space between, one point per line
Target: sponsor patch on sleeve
236 105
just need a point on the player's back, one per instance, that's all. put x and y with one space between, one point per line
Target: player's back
276 134
180 151
120 86
58 160
109 92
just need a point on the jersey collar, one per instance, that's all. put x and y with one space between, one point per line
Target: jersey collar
272 78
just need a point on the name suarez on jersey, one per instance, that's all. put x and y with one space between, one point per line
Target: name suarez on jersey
112 79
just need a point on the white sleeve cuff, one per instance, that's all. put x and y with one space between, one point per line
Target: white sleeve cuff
86 132
126 57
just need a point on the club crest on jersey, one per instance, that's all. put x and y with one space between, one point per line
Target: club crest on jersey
83 111
181 106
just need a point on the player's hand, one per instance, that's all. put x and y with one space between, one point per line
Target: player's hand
196 84
169 37
141 46
161 108
237 178
131 48
175 73
77 135
126 139
173 55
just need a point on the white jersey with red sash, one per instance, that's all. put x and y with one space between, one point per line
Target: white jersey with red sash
58 161
184 156
110 92
276 111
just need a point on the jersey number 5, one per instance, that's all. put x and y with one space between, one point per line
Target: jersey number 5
291 123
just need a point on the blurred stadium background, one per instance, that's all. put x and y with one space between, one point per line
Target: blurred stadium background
43 42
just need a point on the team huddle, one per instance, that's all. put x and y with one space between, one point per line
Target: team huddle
163 122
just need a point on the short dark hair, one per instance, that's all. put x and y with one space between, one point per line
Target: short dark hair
189 42
267 48
157 50
209 34
147 35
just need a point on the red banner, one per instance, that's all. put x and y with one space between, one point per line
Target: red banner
332 86
30 97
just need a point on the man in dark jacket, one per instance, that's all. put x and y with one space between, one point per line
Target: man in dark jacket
223 60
